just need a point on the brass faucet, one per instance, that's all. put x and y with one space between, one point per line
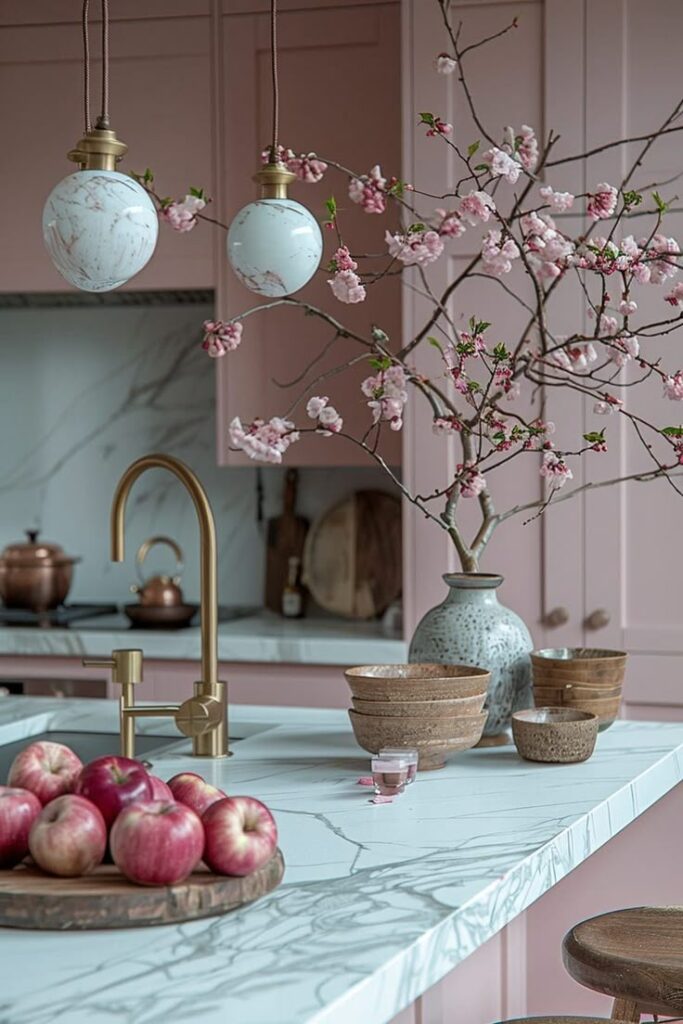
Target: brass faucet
203 716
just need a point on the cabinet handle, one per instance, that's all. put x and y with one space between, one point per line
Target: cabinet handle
597 619
556 617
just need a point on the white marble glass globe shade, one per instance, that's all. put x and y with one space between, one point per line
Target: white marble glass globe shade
100 229
274 246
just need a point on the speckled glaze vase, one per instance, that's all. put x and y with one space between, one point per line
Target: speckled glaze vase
470 627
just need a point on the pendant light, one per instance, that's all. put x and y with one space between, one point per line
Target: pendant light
100 226
274 244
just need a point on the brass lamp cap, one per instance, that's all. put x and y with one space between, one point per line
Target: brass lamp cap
98 150
274 179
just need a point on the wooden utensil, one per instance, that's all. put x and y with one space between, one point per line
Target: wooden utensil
286 535
105 899
352 556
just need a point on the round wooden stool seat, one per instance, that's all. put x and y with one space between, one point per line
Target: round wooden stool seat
634 955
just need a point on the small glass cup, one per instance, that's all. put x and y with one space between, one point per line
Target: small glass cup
408 754
390 775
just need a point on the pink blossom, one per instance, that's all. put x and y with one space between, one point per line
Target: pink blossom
446 425
501 164
673 387
450 224
369 191
607 324
607 405
307 167
329 421
627 307
475 343
343 260
603 202
439 127
559 201
664 265
418 248
678 448
445 64
281 156
549 252
581 355
220 337
554 468
497 255
675 296
624 349
476 207
265 442
387 393
346 286
315 406
527 147
183 216
472 483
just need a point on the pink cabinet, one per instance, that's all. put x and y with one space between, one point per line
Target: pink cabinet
340 97
161 106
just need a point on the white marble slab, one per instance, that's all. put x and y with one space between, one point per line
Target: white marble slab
264 637
378 903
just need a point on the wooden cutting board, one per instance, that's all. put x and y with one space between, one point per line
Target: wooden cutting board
285 537
105 899
352 556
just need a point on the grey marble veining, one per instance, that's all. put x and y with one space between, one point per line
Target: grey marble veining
378 902
83 392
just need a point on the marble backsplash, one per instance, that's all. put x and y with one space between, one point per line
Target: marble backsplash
83 392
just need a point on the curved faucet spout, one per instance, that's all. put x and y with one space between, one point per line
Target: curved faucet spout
207 536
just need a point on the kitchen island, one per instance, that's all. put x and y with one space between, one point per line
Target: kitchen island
381 905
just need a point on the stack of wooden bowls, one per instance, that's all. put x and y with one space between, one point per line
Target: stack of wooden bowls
585 678
435 709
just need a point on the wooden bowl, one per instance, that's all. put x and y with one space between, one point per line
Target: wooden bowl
416 682
555 735
590 665
606 709
433 738
420 708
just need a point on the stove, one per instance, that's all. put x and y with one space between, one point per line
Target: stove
55 618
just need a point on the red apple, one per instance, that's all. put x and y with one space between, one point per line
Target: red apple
157 842
18 810
112 783
160 789
68 837
46 769
241 835
190 789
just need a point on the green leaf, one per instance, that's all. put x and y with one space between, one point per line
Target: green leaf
331 207
673 431
662 207
380 363
481 167
415 228
632 198
378 334
500 353
148 176
472 148
427 118
481 326
595 436
397 188
198 193
434 342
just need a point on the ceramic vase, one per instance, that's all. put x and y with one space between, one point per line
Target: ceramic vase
471 627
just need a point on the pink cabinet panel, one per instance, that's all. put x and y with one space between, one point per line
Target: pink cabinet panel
330 106
160 106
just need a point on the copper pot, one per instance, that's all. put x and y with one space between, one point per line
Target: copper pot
35 575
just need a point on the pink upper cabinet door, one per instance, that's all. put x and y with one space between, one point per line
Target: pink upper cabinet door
160 107
340 97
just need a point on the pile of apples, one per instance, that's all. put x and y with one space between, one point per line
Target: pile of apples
69 817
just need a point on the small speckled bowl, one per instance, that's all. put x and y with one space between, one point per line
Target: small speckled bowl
555 735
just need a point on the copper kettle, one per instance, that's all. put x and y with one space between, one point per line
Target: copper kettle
35 574
159 591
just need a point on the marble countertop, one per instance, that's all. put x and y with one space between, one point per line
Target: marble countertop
378 903
261 637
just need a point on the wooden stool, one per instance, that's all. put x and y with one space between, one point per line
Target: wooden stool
635 956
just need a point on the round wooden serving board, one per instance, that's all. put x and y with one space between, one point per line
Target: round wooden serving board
105 899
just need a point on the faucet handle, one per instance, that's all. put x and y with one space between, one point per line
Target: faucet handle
125 665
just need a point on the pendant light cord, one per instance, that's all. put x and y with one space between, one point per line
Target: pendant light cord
103 119
276 88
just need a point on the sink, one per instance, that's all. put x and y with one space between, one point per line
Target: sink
88 745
